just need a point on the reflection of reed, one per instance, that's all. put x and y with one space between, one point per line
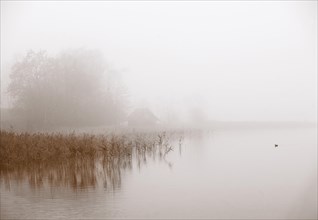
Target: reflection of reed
76 161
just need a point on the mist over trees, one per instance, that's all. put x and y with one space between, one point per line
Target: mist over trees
73 88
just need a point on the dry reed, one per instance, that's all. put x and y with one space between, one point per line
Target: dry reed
74 159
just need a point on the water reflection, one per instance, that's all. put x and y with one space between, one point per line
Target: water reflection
230 174
116 154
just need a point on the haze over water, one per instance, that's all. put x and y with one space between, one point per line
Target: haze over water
232 60
216 175
135 109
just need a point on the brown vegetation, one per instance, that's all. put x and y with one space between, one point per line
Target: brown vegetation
77 160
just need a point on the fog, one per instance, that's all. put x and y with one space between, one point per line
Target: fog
232 61
150 109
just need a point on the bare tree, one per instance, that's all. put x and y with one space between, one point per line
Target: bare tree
70 89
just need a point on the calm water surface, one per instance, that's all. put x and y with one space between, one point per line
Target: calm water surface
219 174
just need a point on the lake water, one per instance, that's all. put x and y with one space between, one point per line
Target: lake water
218 174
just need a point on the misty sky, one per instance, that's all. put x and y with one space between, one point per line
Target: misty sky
250 60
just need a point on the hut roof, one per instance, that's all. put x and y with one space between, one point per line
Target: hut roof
142 113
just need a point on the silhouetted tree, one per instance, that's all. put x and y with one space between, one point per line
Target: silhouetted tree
71 89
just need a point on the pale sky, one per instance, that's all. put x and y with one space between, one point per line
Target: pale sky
249 60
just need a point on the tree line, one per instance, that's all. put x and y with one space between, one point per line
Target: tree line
72 88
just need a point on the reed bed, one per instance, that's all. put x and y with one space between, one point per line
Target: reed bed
78 160
18 149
